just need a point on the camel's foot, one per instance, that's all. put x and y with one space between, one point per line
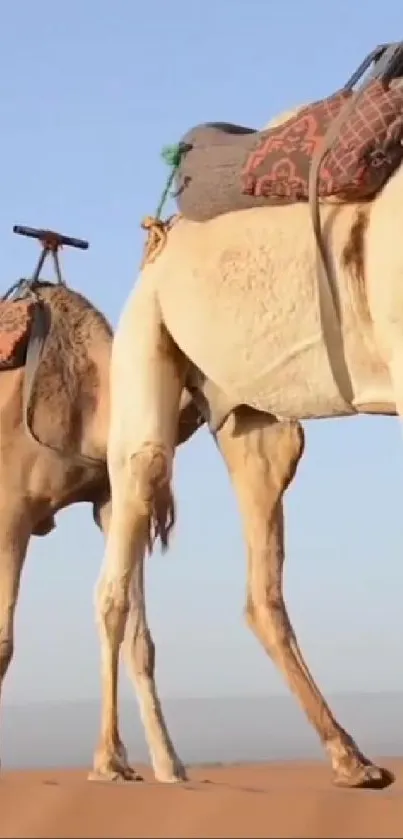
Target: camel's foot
113 765
352 769
364 775
170 771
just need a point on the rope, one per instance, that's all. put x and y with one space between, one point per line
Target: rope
157 229
156 238
172 155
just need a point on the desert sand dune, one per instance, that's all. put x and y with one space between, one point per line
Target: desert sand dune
294 799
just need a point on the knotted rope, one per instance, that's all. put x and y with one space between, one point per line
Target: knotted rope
157 228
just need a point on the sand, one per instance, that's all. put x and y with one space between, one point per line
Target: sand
294 799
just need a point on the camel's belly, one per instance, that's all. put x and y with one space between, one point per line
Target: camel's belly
243 305
293 381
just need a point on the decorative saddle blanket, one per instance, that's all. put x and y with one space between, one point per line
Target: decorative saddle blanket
228 167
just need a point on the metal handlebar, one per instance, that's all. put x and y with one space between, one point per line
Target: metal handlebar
50 239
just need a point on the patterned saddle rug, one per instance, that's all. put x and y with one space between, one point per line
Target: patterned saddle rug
228 167
16 317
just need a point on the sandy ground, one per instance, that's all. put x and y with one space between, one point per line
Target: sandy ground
273 800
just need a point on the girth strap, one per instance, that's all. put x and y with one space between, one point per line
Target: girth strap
390 58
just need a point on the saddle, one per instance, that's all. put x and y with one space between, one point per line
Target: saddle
226 167
23 323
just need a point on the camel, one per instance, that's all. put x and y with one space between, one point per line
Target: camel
230 308
55 455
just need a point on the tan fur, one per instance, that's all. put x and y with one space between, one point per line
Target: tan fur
250 283
15 323
70 410
240 296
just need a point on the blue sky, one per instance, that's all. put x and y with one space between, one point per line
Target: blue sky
89 94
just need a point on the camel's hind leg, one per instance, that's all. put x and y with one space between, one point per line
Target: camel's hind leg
139 652
262 457
147 374
110 759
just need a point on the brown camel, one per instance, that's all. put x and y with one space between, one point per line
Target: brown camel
63 460
56 456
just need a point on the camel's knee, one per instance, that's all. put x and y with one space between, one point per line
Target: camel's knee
150 473
268 621
142 482
112 607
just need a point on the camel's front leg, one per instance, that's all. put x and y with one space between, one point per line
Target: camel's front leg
147 376
262 459
14 537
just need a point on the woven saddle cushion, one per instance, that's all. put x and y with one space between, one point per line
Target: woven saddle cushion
230 167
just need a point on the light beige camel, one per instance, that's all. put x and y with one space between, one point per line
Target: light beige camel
237 300
66 464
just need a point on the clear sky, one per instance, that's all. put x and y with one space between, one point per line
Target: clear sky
89 93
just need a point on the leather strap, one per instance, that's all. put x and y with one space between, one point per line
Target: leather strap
328 298
39 333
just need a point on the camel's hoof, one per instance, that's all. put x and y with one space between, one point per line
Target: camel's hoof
173 773
114 774
364 776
